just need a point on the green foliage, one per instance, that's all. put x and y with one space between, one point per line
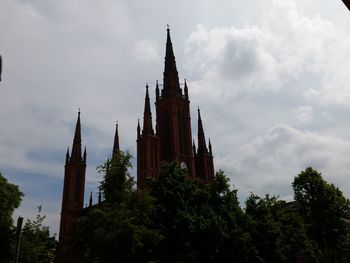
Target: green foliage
278 231
325 210
117 182
108 235
201 223
120 229
37 245
180 219
10 198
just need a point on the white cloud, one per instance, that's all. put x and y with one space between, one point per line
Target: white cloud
269 162
146 51
286 50
304 113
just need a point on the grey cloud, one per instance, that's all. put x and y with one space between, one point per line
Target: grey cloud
240 59
269 163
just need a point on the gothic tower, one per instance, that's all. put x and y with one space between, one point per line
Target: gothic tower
73 193
147 147
173 115
203 157
172 140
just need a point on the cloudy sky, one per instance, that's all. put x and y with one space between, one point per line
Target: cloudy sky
271 78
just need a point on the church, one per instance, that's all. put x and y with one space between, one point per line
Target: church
170 140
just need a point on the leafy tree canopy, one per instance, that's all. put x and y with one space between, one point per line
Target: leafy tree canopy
278 231
117 183
37 245
120 228
10 198
180 219
325 210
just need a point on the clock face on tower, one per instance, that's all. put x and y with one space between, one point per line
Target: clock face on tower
183 165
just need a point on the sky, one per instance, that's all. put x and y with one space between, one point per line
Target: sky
271 78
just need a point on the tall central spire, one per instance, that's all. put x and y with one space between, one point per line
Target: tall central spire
76 149
171 77
116 142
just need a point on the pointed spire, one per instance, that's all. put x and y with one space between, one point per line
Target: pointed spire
76 149
157 91
138 128
147 115
147 101
201 137
67 156
84 155
171 78
194 148
186 90
210 149
90 200
116 142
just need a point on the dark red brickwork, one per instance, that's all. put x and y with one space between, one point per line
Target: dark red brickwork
73 194
172 139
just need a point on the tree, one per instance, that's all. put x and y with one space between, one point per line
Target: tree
325 210
120 228
37 245
278 231
117 182
200 223
10 198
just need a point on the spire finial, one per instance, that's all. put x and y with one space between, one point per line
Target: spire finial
116 142
76 149
171 84
167 27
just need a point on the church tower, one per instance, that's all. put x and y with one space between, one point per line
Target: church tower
173 115
203 157
147 147
73 193
172 140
